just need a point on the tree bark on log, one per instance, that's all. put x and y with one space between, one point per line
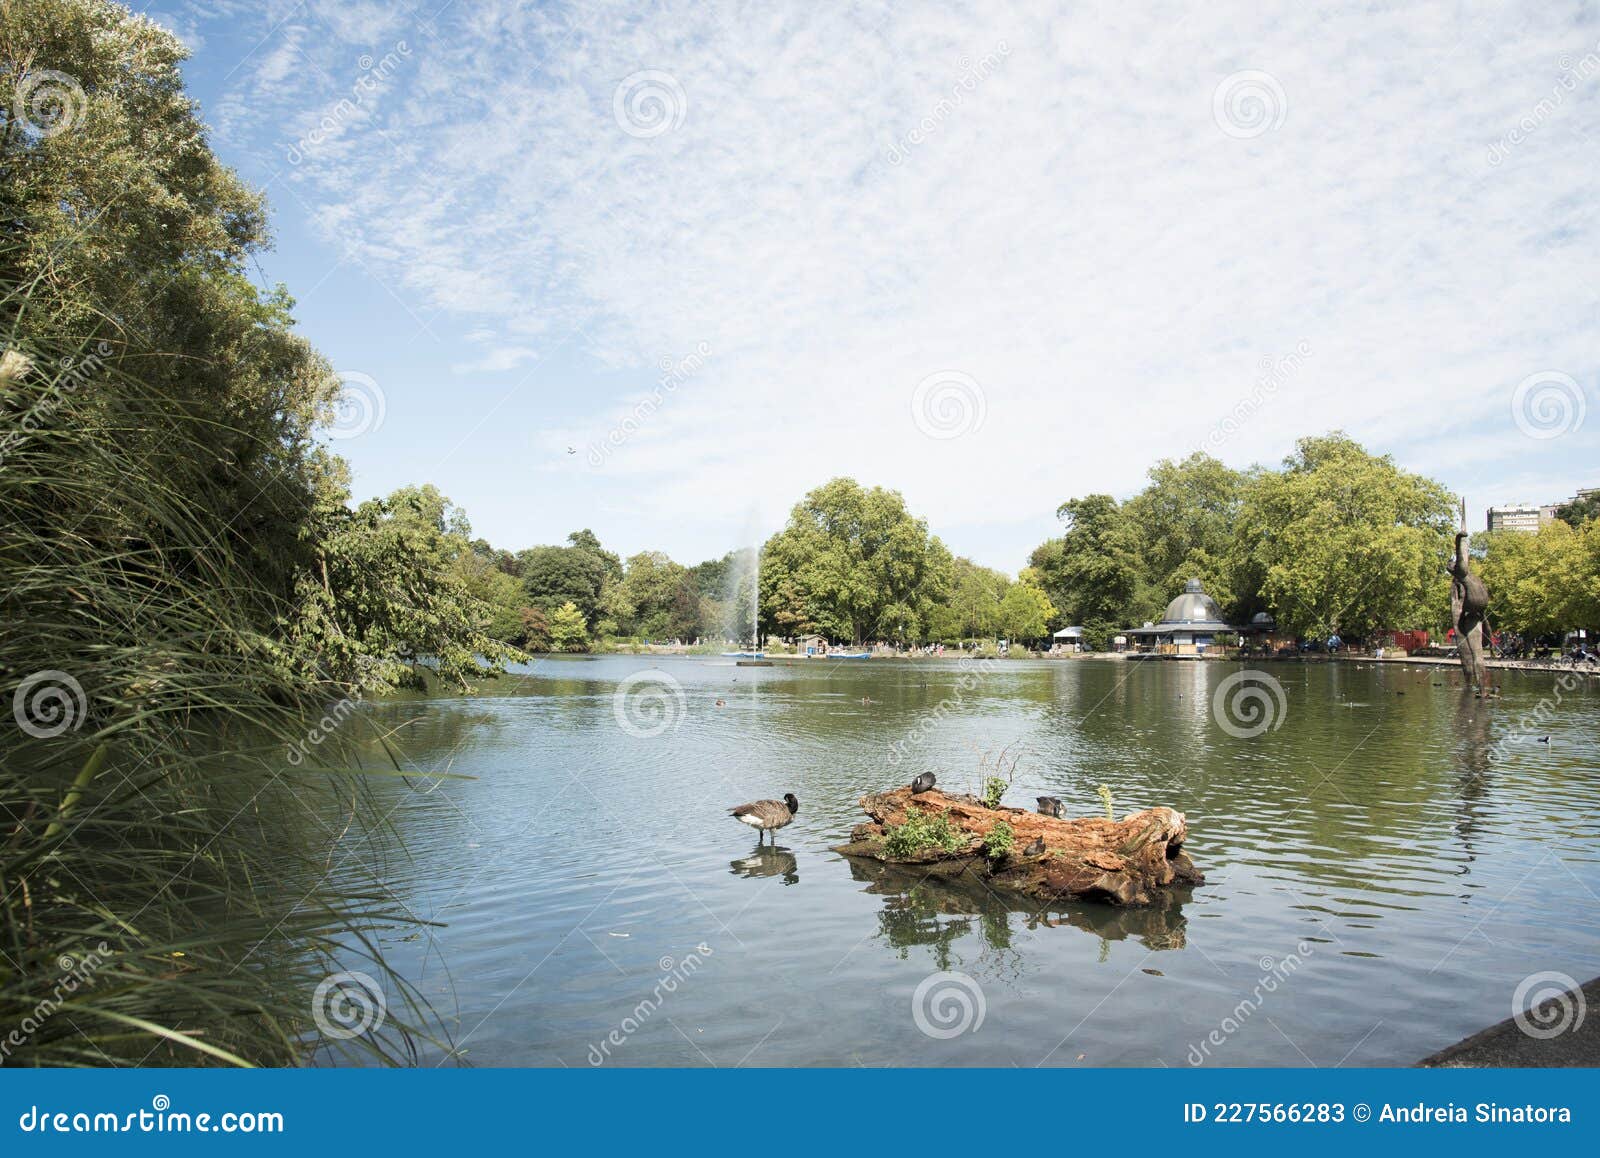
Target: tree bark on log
1124 862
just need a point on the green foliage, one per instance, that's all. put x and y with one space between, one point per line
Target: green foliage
567 629
853 564
181 563
579 573
1580 511
1026 611
1338 539
1543 583
1104 793
998 841
922 830
994 789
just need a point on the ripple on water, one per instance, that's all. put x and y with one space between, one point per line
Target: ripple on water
1423 878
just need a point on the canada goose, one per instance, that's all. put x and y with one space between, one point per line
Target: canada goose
767 815
922 783
1052 806
1036 848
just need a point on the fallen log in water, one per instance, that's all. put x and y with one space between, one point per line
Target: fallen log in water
1126 862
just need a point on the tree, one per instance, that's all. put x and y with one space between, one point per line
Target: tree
1343 540
386 595
1025 612
568 631
1184 524
1580 510
1543 583
853 564
1092 574
971 610
577 573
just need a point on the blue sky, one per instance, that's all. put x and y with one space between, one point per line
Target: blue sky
994 256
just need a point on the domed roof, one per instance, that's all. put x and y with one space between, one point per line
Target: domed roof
1193 606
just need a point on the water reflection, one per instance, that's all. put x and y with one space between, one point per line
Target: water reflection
768 861
921 910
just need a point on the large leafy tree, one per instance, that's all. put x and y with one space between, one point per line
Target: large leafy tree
1093 573
1344 540
854 564
579 573
971 610
1543 583
1025 612
1185 521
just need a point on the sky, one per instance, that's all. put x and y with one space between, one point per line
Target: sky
657 269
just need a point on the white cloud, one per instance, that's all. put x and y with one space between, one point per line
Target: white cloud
836 213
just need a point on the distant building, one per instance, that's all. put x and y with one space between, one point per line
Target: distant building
1190 625
1068 639
1521 516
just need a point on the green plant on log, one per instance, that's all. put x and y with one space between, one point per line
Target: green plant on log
998 841
1105 798
921 831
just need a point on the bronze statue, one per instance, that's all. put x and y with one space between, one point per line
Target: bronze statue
1469 600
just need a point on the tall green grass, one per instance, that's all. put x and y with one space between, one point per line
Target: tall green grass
171 890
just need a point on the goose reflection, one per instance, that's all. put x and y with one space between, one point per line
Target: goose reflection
768 861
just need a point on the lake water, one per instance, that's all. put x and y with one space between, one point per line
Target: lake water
1378 883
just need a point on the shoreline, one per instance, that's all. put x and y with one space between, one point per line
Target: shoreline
1590 672
1507 1045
